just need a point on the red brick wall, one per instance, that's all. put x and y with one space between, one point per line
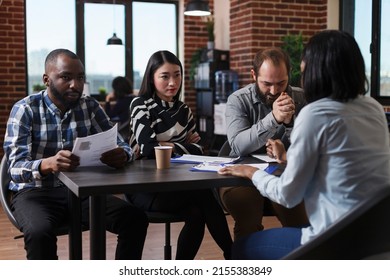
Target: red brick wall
258 24
195 37
254 25
12 59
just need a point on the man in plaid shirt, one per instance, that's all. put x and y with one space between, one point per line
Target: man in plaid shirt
39 138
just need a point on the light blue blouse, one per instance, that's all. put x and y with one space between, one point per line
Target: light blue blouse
339 153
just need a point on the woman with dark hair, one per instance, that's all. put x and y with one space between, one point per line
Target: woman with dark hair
118 103
159 117
120 98
337 135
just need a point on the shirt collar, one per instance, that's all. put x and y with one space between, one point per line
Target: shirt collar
53 107
50 104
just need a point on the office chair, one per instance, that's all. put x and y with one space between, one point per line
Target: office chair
362 233
6 198
225 149
5 194
166 219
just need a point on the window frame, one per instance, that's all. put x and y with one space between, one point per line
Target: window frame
80 29
347 20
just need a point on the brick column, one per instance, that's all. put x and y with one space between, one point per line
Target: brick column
12 59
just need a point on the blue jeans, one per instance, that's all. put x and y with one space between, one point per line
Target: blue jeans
271 244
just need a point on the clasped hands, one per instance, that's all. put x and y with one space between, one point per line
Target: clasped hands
283 108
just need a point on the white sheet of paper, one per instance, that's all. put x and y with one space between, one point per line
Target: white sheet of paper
212 167
263 157
200 159
90 148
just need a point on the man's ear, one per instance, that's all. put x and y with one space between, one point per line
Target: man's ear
45 79
253 75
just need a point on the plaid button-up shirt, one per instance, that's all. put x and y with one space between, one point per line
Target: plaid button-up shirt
36 130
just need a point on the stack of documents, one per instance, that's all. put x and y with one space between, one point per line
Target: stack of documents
214 167
204 159
213 164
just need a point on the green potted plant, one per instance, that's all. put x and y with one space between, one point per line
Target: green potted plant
293 46
102 93
38 87
209 20
194 62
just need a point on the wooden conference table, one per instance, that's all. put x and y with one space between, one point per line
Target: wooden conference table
138 176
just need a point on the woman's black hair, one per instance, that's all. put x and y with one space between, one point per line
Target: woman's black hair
121 86
156 61
333 67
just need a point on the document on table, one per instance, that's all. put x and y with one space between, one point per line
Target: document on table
201 159
90 148
263 157
214 167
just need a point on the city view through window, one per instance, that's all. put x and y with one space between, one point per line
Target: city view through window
154 28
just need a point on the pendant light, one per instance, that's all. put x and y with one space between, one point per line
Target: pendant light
197 8
114 40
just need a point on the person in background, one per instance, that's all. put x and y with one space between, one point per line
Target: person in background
260 111
337 135
39 138
159 117
118 103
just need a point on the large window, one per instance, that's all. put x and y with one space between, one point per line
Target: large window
84 26
154 28
103 62
47 29
368 21
384 49
363 35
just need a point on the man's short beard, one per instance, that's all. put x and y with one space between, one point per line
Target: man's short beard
263 97
60 97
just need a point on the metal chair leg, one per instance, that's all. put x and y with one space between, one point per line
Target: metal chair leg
167 246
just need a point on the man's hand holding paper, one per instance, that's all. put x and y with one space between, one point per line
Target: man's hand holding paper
93 149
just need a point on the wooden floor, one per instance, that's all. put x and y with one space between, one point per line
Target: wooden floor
11 249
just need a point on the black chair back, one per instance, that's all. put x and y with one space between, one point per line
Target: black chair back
5 193
363 233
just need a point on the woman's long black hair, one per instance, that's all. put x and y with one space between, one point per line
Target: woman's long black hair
156 61
333 67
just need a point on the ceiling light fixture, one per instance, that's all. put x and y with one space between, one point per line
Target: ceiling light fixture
197 8
114 40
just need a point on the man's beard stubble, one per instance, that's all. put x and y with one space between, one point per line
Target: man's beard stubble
264 97
61 97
